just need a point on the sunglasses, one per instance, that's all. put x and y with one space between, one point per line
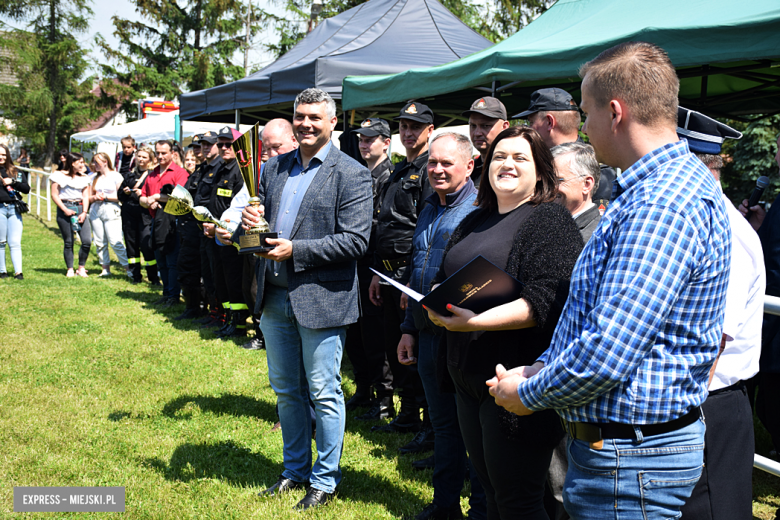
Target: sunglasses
224 145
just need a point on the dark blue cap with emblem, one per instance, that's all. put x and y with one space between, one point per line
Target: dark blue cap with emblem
704 134
416 112
374 126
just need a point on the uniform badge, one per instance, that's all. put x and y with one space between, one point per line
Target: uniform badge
366 123
414 177
222 192
211 174
412 109
481 103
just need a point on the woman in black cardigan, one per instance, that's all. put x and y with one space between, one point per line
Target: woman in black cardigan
520 228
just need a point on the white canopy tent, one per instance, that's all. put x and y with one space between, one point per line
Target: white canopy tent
149 130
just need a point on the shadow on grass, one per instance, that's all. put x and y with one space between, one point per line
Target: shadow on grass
240 467
227 404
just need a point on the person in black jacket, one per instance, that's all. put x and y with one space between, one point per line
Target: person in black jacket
136 222
228 266
519 227
14 183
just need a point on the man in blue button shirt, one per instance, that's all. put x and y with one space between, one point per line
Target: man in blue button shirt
629 363
319 200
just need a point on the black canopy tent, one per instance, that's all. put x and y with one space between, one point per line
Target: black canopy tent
377 37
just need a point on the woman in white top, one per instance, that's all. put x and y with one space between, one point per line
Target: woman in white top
70 192
105 213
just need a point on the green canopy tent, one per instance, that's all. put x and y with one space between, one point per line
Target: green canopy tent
727 56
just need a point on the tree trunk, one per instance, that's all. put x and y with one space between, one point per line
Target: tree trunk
51 141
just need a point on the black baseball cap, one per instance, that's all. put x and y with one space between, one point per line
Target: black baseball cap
374 126
225 133
488 107
704 134
209 137
195 140
416 112
548 100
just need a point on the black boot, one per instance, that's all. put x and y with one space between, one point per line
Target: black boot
383 409
213 311
189 304
237 328
421 443
226 325
408 419
362 398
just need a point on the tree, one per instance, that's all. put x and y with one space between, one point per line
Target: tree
181 46
52 97
750 158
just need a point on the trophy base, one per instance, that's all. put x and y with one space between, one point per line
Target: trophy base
255 243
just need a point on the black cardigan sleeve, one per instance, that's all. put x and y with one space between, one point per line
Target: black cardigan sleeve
23 185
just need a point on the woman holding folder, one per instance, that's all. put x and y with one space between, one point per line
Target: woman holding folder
519 228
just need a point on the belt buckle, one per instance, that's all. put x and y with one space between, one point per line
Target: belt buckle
387 265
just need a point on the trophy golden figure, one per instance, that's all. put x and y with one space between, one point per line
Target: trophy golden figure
246 148
180 203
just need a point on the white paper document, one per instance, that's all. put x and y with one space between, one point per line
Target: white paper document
414 294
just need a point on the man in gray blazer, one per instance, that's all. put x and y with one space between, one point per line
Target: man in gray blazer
319 201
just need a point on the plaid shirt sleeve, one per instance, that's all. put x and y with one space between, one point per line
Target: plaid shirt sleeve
652 256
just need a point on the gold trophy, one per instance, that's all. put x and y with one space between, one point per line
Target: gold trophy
246 148
180 203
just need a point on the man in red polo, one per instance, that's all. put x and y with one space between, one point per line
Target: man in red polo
165 241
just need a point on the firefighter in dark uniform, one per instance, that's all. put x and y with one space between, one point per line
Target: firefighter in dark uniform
206 172
401 201
188 266
228 265
365 345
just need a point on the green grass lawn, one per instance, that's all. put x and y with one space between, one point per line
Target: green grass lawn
99 388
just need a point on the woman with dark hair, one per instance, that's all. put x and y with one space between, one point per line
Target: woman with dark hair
519 228
63 160
14 182
105 214
24 158
70 192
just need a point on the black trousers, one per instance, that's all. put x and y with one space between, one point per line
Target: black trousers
188 265
228 271
405 377
768 404
68 238
249 280
511 470
365 343
207 265
725 489
136 226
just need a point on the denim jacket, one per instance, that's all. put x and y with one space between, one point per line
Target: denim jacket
430 239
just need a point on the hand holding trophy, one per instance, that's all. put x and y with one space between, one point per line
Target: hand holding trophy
180 203
248 156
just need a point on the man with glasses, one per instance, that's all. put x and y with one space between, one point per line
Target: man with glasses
578 178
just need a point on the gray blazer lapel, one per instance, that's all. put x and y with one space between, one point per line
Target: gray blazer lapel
323 174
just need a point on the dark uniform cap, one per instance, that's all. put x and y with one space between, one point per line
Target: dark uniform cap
416 112
704 134
209 137
226 133
488 107
195 140
374 126
548 100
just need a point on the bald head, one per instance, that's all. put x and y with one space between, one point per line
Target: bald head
278 138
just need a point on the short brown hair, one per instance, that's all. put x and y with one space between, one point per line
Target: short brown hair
128 139
641 75
546 187
568 120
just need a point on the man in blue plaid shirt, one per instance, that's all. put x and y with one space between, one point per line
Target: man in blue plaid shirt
629 363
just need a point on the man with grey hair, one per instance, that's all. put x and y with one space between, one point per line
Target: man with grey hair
449 171
578 179
318 200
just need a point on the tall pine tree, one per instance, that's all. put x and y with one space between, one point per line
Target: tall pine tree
179 46
52 96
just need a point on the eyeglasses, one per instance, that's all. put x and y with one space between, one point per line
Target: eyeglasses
224 145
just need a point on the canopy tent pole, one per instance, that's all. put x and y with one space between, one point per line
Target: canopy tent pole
238 119
70 144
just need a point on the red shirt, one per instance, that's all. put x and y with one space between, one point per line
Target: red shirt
174 174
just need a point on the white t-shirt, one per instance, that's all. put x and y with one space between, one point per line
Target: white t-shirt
70 187
744 304
107 184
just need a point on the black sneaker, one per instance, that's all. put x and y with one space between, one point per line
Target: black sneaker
421 443
19 276
3 275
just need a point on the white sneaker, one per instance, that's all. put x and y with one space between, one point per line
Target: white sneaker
105 274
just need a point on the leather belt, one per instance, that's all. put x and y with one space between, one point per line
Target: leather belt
73 202
392 265
594 432
739 385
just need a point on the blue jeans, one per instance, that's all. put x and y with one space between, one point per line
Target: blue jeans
305 363
10 233
648 478
166 266
449 451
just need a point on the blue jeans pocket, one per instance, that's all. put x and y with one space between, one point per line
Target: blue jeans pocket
599 463
661 491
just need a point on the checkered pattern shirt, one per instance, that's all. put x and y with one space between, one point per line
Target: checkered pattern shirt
643 321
